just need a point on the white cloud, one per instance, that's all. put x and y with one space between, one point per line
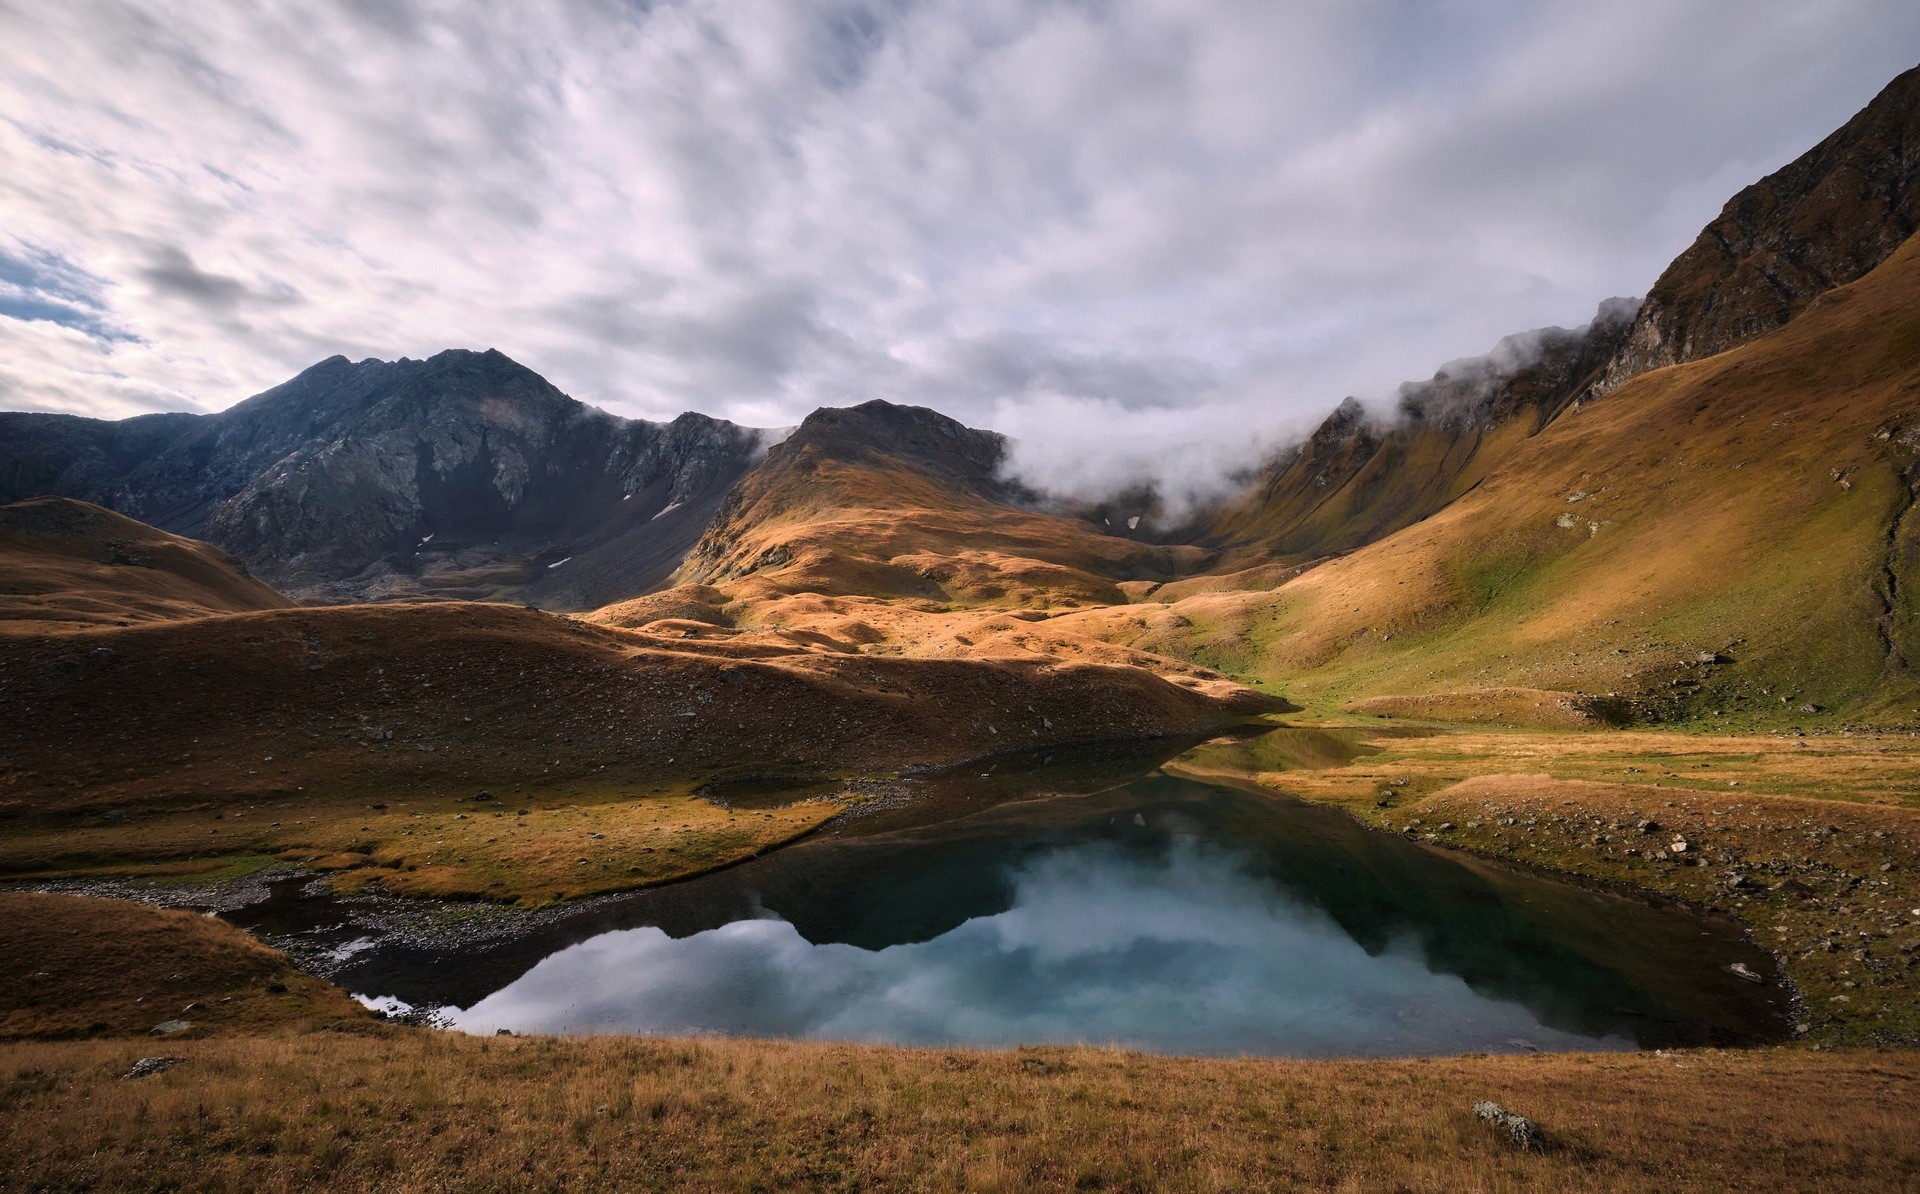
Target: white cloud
1143 221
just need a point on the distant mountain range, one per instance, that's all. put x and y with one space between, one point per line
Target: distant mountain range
466 475
469 476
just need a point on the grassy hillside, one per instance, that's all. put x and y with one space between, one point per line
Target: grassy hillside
66 564
1358 479
76 967
899 502
352 737
423 1112
1726 539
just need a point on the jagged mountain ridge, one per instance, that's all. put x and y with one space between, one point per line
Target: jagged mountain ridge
463 475
1358 478
1824 220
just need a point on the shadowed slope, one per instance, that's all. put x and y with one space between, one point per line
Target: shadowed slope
1357 479
465 475
64 973
69 564
289 732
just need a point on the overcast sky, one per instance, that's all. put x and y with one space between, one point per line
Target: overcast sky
1145 228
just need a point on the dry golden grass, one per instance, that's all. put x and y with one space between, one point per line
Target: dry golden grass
753 613
530 849
1746 506
1499 706
1881 768
72 966
418 1111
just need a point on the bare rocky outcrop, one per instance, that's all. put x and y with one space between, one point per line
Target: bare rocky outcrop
1822 221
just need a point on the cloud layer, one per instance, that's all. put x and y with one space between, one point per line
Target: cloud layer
1158 232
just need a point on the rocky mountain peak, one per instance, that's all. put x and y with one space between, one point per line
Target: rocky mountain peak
925 439
1822 221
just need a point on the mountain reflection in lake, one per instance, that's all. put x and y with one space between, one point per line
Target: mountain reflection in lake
1184 949
1160 912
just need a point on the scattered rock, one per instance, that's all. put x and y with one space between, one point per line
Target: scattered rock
170 1027
1740 970
1522 1131
146 1067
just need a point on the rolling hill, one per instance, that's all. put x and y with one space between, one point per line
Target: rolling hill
66 564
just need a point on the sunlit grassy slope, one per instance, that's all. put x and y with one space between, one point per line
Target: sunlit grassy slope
905 503
1726 539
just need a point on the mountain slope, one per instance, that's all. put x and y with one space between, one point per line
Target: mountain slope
1824 220
67 564
1357 479
463 475
1730 536
899 501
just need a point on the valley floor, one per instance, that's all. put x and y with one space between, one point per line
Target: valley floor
1814 843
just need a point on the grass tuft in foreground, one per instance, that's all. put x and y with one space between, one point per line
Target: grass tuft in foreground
419 1111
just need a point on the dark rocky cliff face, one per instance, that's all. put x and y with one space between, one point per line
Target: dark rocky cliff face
1822 221
466 475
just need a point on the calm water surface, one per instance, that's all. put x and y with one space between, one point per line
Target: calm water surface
1097 899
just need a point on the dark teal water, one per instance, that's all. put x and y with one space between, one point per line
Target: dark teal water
1106 901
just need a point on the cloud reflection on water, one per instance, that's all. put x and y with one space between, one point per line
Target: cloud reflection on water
1185 951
